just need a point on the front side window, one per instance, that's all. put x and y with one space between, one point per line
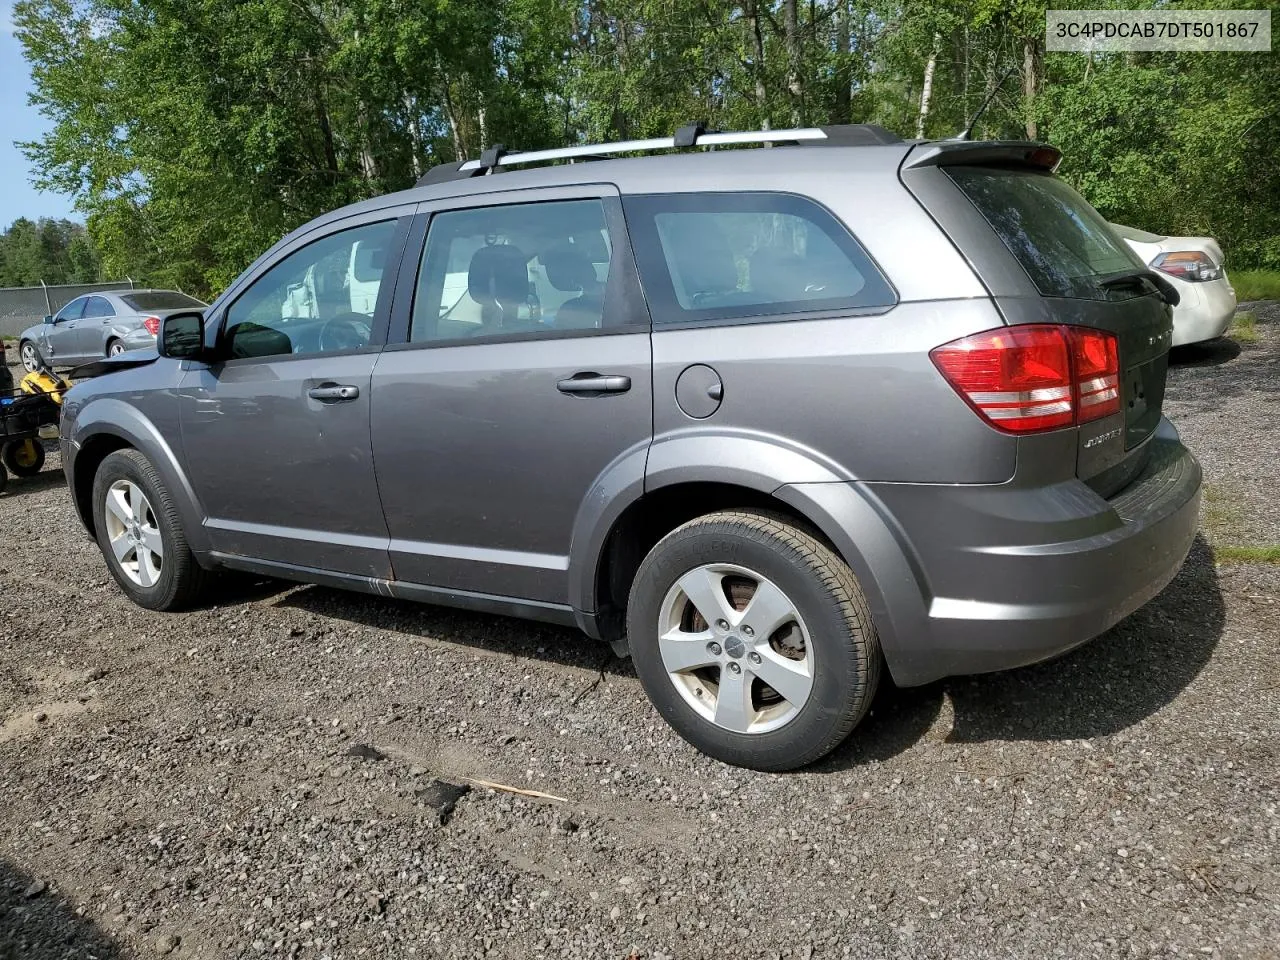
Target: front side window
519 269
1064 245
319 299
72 311
742 255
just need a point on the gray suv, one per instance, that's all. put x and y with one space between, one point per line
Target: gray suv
770 421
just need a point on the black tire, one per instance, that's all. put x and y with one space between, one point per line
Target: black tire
4 478
29 356
23 458
182 582
823 591
111 345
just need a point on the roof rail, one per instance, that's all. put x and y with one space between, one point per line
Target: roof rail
694 135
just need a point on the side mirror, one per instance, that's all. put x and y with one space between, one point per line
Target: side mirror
181 336
48 318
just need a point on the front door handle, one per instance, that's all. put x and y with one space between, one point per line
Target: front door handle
588 383
334 393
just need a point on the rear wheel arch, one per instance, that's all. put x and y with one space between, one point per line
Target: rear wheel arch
650 517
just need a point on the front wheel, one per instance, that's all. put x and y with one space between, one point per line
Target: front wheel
23 458
141 536
30 356
753 640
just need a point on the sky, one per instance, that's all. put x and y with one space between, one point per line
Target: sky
20 121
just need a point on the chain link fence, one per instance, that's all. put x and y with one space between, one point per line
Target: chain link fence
20 307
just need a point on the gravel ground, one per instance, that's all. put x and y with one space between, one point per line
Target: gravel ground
258 778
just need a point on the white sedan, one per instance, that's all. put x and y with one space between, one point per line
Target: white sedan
1194 267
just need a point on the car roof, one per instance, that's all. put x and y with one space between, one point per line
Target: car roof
783 167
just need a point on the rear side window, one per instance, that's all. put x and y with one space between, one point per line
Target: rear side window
723 256
1064 244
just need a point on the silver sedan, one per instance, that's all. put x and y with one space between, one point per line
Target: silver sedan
101 324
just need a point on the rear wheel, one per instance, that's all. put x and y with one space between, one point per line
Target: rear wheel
141 536
115 348
753 640
23 458
30 358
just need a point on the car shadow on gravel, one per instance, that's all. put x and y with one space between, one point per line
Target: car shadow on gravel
1211 353
37 924
488 632
45 480
1101 688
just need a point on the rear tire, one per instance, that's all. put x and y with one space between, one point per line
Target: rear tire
140 534
713 678
115 348
23 458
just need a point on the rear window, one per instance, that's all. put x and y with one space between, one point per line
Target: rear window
1065 245
722 256
161 300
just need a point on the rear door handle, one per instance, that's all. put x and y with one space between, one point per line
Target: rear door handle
334 393
581 383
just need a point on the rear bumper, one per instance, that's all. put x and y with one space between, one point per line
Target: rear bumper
1204 312
1013 576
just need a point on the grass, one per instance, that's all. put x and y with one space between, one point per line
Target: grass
1244 327
1227 553
1256 284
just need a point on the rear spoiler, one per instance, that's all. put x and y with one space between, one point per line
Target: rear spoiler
984 153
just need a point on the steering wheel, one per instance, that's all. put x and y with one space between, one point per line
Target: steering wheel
346 331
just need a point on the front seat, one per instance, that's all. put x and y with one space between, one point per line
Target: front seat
571 270
498 280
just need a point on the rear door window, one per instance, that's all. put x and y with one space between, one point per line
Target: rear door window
514 270
1066 247
724 256
98 307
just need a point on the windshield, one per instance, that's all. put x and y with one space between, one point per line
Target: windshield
160 300
1065 245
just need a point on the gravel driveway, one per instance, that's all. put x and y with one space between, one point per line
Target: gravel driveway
259 778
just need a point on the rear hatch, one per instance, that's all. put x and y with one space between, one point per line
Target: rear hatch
1048 257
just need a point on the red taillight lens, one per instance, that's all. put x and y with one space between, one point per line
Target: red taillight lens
1096 357
1026 379
1191 265
152 324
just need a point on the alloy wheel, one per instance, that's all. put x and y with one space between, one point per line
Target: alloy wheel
115 349
134 534
736 648
29 360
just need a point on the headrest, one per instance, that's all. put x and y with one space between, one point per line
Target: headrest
498 274
568 269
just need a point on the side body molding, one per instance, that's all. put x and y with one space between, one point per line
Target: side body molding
107 416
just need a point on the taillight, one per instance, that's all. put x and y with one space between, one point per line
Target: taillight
1192 265
152 324
1095 358
1026 379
